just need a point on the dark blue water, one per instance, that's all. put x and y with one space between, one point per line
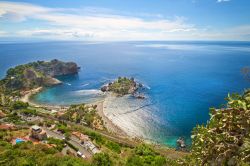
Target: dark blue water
184 78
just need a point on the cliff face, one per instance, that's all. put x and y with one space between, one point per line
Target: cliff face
37 74
57 68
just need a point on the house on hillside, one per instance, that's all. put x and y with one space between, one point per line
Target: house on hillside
83 138
38 133
7 127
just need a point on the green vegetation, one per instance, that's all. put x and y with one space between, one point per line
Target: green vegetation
14 108
84 114
13 118
102 159
59 144
29 154
113 146
62 128
123 86
24 76
225 140
143 155
35 74
28 112
19 105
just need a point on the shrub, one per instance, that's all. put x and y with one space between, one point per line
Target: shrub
144 156
19 105
113 146
102 159
225 140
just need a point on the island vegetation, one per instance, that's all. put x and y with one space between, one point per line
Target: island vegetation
36 74
122 86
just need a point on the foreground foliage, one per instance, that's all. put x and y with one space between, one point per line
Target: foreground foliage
225 140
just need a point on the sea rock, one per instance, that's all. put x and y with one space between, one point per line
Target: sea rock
181 145
104 88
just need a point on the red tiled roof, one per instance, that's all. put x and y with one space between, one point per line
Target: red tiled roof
80 135
6 126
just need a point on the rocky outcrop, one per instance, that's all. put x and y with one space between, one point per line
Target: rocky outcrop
57 68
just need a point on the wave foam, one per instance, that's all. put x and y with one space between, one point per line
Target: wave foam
88 92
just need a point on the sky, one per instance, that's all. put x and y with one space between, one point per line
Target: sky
112 20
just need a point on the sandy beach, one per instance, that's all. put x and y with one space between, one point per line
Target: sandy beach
111 127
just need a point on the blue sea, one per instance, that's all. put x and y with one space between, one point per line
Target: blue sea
182 79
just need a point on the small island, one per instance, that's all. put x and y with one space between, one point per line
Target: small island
123 86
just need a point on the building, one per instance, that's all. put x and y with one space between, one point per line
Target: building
7 127
38 133
91 147
83 138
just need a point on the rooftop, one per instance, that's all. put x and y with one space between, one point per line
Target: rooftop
80 136
35 127
7 126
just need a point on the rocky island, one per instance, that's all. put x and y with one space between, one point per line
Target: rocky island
37 74
122 86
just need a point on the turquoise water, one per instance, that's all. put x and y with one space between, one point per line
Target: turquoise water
183 79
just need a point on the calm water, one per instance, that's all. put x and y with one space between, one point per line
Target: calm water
183 79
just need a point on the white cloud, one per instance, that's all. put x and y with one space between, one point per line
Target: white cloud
91 23
3 33
102 24
222 1
63 34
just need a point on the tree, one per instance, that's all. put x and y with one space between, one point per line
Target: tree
19 105
102 159
145 156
